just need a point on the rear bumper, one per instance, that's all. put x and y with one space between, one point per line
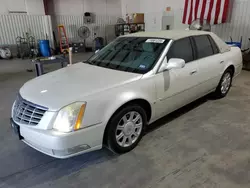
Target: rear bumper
63 145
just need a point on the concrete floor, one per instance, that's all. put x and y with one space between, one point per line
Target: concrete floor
206 144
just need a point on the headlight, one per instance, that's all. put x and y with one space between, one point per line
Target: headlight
69 118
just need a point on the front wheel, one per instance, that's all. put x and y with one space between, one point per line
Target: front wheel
225 84
125 128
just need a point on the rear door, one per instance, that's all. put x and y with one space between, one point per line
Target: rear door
176 87
209 61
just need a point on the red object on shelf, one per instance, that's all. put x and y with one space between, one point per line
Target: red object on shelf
64 43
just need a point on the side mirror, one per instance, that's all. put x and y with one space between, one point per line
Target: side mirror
175 63
97 51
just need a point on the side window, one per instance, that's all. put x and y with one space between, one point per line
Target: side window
214 45
204 47
181 49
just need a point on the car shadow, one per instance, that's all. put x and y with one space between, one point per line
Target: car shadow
177 113
54 169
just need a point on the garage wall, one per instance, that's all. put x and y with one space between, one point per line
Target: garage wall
32 7
71 16
130 6
155 10
63 7
103 27
35 7
13 26
99 7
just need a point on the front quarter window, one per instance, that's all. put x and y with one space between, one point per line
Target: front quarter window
131 54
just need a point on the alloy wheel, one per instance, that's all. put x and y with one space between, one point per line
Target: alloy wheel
226 82
129 129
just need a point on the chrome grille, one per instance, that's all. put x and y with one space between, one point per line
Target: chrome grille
27 113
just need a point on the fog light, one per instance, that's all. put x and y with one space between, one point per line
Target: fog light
69 151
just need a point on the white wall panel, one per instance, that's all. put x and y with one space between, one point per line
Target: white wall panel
130 6
14 5
32 7
153 21
66 7
13 26
155 9
113 8
78 7
35 7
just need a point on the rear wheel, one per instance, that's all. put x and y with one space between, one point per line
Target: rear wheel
125 128
225 84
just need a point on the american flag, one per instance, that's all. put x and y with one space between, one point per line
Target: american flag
214 11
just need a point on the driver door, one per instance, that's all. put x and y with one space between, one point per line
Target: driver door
177 87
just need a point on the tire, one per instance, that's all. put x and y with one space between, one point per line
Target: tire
220 92
124 136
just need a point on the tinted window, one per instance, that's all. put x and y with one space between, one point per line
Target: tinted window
214 45
203 45
181 49
131 54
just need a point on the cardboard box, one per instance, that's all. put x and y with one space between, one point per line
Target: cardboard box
138 18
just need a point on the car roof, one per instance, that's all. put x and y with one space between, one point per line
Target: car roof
170 34
179 34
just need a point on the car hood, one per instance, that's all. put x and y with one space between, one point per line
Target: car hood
64 86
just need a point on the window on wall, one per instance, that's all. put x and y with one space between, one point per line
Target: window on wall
182 49
204 47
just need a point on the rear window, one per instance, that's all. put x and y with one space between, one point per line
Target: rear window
204 47
214 45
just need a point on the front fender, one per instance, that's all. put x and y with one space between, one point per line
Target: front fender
121 100
101 106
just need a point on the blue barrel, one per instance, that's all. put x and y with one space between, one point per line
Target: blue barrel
239 44
44 48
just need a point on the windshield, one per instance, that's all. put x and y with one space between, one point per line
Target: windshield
131 54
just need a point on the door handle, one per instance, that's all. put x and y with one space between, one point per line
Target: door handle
193 72
221 62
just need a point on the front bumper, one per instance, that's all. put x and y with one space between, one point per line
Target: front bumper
63 145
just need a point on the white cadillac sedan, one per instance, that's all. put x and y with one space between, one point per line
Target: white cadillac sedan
113 96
